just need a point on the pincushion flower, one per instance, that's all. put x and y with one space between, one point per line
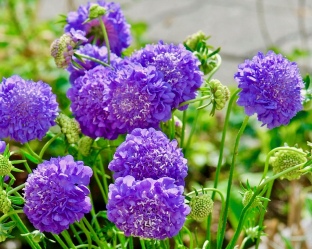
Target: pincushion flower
56 194
89 97
179 66
149 208
62 49
96 52
148 153
271 87
139 98
118 30
27 109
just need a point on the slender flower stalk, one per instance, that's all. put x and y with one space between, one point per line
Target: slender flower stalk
225 126
227 203
46 146
94 59
105 38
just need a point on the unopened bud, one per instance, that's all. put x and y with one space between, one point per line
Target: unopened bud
193 40
5 165
84 145
96 11
70 128
5 203
201 206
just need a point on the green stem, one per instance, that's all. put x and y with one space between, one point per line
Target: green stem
172 125
226 123
68 239
130 242
190 235
86 232
72 227
201 99
183 128
16 189
100 184
103 171
96 238
105 38
44 148
219 59
93 59
97 225
86 245
23 229
10 213
142 243
265 205
34 154
60 241
227 203
244 242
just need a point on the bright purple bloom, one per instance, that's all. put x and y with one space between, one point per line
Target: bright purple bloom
139 98
27 109
89 96
118 30
56 194
179 66
2 146
271 87
95 52
149 208
149 154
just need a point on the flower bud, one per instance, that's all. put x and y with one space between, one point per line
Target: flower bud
285 159
5 203
201 206
5 166
193 40
84 145
247 197
62 49
70 128
220 93
96 11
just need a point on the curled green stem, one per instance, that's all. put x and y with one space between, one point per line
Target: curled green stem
44 148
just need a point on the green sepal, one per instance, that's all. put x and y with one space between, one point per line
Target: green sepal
17 200
17 170
31 158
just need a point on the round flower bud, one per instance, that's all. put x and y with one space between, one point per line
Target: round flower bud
201 206
96 11
285 159
70 128
5 203
62 49
220 93
247 197
192 40
84 145
5 166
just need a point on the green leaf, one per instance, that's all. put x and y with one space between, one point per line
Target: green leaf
215 52
307 82
76 64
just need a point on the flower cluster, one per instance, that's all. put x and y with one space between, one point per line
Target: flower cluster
149 154
146 199
56 194
271 87
148 208
178 65
118 30
21 119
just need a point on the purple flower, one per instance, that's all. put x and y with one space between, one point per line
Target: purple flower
118 30
56 194
139 98
149 154
149 208
27 109
271 87
95 52
2 146
179 66
89 97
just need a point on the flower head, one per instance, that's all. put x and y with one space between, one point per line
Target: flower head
271 87
178 65
89 97
95 52
118 30
56 194
149 154
285 159
139 98
201 206
62 49
149 208
27 109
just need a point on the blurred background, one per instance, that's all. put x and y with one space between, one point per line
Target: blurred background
241 28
